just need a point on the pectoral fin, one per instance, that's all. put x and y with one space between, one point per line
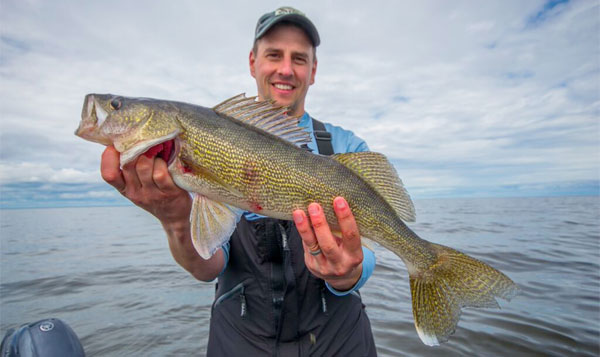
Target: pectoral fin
212 223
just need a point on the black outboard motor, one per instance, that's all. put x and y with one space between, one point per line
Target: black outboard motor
45 338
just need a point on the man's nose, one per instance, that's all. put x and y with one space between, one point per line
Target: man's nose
285 68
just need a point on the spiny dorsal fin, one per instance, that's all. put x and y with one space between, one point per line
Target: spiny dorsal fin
266 116
376 170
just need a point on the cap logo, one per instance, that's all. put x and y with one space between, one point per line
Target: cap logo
46 326
287 11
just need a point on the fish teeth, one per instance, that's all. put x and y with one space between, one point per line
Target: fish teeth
90 106
101 114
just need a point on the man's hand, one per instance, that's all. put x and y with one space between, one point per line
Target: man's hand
147 183
340 260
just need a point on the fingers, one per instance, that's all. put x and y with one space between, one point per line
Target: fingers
303 226
310 243
144 168
347 225
317 234
148 184
162 178
152 173
132 180
325 238
146 173
110 170
309 240
340 259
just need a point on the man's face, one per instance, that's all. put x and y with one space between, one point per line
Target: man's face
284 67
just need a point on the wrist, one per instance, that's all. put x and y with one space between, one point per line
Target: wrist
348 283
177 229
368 265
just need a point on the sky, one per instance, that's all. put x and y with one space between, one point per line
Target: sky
466 99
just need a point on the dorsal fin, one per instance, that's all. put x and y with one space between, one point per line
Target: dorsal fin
265 115
375 169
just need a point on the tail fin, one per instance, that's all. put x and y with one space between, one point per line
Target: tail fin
454 282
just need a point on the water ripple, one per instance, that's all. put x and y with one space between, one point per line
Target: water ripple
109 274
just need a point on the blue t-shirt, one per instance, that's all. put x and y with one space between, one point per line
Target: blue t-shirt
342 141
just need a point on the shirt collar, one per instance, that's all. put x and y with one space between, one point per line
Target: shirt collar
305 121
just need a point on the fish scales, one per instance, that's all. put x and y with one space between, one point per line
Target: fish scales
245 155
232 153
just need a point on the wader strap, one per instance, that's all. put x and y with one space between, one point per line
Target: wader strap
278 280
323 138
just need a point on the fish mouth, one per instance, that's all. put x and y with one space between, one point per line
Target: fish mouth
96 111
92 117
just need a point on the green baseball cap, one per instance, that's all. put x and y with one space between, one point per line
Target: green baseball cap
289 14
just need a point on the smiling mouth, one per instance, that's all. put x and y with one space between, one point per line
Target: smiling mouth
283 86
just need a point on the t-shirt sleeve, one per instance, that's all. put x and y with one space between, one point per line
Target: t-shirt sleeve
344 140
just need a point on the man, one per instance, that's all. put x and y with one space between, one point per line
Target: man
283 289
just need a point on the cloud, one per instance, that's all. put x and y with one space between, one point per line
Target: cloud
32 172
457 96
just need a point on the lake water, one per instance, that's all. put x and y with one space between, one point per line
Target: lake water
108 273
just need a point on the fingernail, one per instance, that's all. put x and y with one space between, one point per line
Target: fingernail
340 203
313 209
298 217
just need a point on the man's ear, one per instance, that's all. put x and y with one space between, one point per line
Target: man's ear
313 73
251 61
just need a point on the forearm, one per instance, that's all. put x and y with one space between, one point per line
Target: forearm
184 253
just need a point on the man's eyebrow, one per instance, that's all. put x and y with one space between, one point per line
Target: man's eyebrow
300 54
294 53
272 49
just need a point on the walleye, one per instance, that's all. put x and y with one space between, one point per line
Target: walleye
246 155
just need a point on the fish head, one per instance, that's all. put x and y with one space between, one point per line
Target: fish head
93 115
132 125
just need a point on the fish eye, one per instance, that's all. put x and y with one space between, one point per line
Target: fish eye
115 103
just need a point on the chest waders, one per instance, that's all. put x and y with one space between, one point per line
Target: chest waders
268 303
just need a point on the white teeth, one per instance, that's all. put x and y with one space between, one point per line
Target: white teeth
101 114
90 105
283 86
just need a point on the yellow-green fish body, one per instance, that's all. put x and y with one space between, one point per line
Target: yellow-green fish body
246 155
